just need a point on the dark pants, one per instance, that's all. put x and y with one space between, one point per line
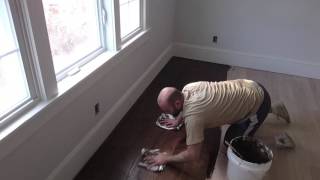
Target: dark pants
248 127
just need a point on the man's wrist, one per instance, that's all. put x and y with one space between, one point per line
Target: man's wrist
179 118
168 158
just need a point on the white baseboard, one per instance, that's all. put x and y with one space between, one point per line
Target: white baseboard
75 160
248 60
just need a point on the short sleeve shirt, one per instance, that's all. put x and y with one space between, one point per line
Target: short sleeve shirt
212 104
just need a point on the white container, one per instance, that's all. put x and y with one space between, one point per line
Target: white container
239 169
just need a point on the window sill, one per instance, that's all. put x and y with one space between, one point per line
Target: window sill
17 131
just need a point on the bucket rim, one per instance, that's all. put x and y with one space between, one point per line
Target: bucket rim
233 158
267 149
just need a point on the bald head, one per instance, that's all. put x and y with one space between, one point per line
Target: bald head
170 99
166 93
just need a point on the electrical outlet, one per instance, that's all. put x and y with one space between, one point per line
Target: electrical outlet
215 39
96 109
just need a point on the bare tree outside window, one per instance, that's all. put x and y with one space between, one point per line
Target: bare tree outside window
73 28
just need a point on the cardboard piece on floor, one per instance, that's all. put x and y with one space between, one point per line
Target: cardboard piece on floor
284 141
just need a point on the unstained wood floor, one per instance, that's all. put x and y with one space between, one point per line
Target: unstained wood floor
302 98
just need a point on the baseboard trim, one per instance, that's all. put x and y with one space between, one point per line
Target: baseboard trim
77 158
248 60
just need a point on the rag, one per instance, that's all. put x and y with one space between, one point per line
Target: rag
167 116
147 152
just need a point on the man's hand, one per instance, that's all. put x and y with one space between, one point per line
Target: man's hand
192 153
159 159
170 122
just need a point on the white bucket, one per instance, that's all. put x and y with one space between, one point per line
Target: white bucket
239 169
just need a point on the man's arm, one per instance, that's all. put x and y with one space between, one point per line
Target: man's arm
192 153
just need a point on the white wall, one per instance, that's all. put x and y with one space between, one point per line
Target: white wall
275 35
53 150
252 33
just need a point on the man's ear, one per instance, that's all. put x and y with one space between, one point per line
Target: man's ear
178 104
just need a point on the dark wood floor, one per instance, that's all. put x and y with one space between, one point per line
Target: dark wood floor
118 156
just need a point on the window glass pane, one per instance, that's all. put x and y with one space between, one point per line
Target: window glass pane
13 84
73 27
129 16
7 42
14 89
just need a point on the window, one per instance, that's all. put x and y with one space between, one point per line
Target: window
15 86
75 32
44 41
130 18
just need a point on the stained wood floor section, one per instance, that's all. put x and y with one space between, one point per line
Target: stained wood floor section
301 96
118 156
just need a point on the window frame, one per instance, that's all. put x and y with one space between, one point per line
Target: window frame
19 32
75 67
33 41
